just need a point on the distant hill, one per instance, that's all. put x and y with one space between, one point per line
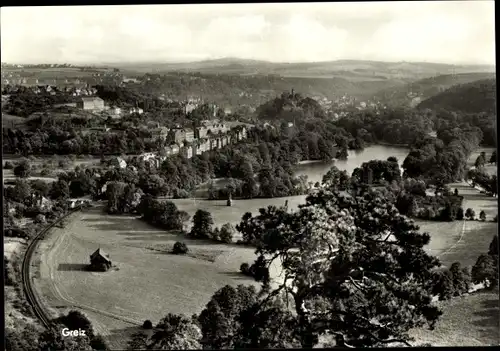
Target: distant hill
472 97
348 69
253 90
413 93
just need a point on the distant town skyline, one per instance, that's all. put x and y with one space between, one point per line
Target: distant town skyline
453 32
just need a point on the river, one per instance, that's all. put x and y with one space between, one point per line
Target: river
316 170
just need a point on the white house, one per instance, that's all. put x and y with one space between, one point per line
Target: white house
118 162
137 110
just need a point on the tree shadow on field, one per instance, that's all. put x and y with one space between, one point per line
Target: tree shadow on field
70 267
478 196
237 276
172 237
489 320
119 224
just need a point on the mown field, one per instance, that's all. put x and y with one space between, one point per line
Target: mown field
148 281
470 320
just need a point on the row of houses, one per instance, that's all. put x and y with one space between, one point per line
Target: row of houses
96 104
190 146
62 83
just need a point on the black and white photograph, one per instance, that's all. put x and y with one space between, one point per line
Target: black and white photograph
208 176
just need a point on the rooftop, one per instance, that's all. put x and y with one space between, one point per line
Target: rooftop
101 253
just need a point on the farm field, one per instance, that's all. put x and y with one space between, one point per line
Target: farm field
147 284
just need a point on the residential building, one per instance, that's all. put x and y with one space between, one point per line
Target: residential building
137 110
187 151
118 162
175 149
115 111
177 135
160 132
91 104
189 135
167 150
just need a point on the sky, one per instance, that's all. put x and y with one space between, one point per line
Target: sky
456 32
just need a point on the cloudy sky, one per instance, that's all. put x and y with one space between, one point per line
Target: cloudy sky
435 31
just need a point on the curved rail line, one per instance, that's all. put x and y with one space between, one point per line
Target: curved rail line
25 276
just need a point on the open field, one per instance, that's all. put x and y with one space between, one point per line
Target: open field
8 174
147 284
53 73
489 168
463 241
481 312
223 214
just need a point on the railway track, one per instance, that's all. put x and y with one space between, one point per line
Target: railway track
25 275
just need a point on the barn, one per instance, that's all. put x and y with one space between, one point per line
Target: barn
99 261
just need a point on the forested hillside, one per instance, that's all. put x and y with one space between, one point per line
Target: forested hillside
477 96
420 90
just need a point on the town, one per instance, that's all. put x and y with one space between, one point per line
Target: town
179 180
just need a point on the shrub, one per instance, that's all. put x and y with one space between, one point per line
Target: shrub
98 343
147 324
22 170
460 214
180 194
40 219
215 235
482 215
63 164
470 214
8 165
75 320
45 172
226 233
245 268
180 248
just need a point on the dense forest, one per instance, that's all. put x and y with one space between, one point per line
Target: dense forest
426 88
474 97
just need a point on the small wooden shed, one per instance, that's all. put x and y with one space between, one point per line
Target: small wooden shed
99 261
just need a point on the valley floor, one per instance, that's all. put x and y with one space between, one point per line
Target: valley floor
147 282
